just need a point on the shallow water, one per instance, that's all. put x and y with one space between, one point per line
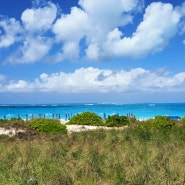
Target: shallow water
66 111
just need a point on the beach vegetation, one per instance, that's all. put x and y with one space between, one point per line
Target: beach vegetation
151 153
159 122
49 126
86 118
117 121
129 156
16 123
182 121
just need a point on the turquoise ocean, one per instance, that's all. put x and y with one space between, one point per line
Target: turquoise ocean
66 111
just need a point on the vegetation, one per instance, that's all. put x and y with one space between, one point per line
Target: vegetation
15 122
49 126
86 118
130 156
117 121
159 122
151 153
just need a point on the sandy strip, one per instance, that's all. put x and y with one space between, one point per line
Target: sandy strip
79 128
10 131
70 129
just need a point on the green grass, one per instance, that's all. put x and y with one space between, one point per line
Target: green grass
133 156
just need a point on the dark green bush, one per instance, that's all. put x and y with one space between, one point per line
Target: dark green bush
159 122
86 118
117 121
49 126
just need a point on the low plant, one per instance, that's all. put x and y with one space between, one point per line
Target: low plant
86 118
13 122
159 122
117 121
49 126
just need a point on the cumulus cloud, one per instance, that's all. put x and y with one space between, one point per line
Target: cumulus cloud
93 21
91 30
34 43
40 19
104 38
33 49
9 32
87 80
159 25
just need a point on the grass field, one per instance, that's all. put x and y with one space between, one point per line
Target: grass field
102 157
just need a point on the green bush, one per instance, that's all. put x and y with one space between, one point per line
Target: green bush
117 121
86 118
49 126
159 122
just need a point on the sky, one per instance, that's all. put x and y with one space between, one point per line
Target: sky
78 51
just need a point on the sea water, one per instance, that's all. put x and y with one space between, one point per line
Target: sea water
66 111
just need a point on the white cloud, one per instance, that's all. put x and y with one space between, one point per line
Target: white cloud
9 30
71 27
93 51
33 49
159 25
20 86
93 21
37 20
100 24
87 80
95 29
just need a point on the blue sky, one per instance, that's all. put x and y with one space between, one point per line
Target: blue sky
123 51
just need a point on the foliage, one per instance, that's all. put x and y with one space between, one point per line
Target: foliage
86 118
117 121
182 121
130 156
50 126
13 122
159 122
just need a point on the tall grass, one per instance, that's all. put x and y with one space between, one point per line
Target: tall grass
102 157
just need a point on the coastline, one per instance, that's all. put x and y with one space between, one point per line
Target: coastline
141 111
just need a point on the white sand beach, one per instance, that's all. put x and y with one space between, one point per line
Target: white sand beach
9 131
70 129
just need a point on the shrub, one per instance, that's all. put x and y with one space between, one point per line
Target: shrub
86 118
13 122
49 126
158 122
117 121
